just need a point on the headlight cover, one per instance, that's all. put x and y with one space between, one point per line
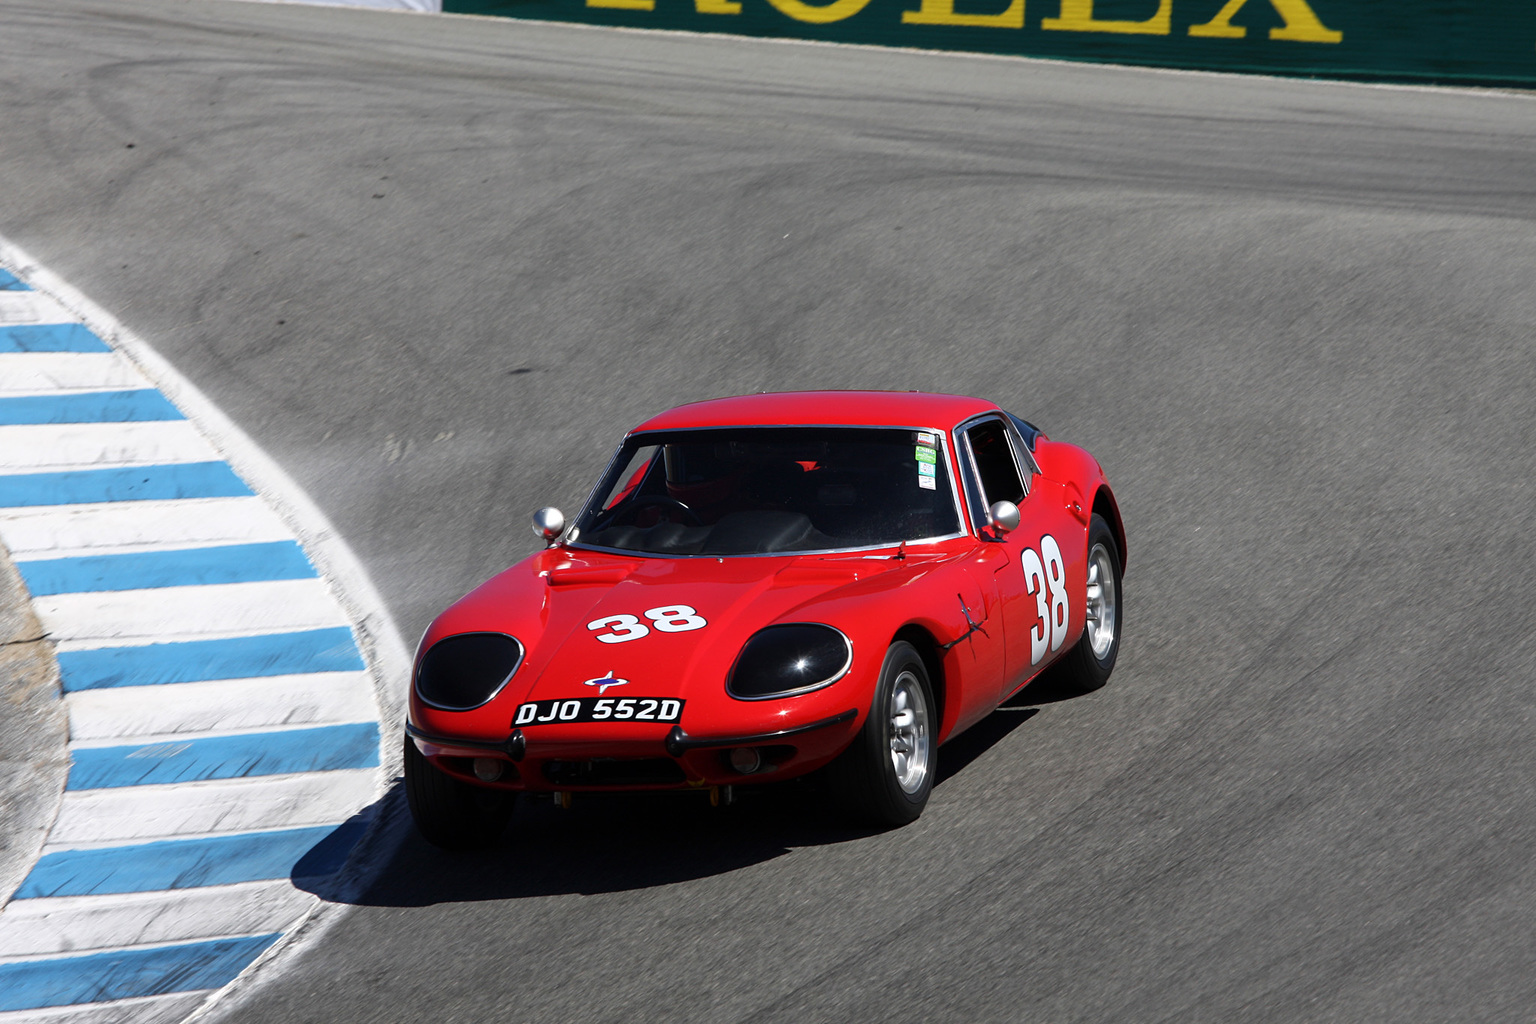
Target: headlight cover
782 661
462 672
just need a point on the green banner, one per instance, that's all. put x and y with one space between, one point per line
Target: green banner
1492 42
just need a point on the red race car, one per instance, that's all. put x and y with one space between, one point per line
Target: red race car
766 586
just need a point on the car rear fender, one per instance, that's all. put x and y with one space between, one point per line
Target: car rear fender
1105 506
1076 468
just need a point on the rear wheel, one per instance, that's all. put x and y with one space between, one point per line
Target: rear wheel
1090 661
886 775
449 813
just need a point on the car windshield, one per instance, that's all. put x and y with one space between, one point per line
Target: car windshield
758 490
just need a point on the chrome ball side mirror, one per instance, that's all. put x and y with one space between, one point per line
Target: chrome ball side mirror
1005 516
549 524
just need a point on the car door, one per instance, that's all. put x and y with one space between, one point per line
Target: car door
1033 564
1053 542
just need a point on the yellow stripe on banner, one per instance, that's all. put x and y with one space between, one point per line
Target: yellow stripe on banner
819 15
942 12
1077 16
1302 24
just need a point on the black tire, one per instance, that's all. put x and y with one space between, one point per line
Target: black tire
864 779
1083 669
449 813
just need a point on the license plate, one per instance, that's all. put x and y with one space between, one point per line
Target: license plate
599 709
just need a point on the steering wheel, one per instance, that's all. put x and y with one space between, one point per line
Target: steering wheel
634 505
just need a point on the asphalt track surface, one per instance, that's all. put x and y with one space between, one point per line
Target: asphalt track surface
435 266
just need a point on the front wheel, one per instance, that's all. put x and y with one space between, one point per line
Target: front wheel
886 774
449 813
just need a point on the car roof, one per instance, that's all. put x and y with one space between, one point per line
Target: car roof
823 408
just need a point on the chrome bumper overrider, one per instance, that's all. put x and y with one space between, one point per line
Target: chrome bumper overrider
679 742
514 746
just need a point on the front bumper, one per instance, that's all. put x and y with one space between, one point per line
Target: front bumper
566 763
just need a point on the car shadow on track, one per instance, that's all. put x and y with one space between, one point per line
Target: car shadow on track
608 843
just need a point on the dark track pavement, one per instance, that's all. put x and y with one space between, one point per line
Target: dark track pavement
435 266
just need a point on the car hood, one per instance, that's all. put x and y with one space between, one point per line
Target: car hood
562 603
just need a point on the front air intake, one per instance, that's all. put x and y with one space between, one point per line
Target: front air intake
462 672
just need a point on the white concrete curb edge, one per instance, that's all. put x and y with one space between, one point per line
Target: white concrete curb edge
384 648
379 640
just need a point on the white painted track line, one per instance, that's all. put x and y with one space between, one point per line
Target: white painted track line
51 447
124 526
33 308
52 372
147 813
261 704
65 924
183 613
152 1010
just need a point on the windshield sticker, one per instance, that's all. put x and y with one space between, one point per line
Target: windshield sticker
930 440
927 455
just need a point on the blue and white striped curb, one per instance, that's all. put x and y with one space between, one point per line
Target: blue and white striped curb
223 692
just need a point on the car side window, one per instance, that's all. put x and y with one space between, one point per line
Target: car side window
1023 451
993 458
